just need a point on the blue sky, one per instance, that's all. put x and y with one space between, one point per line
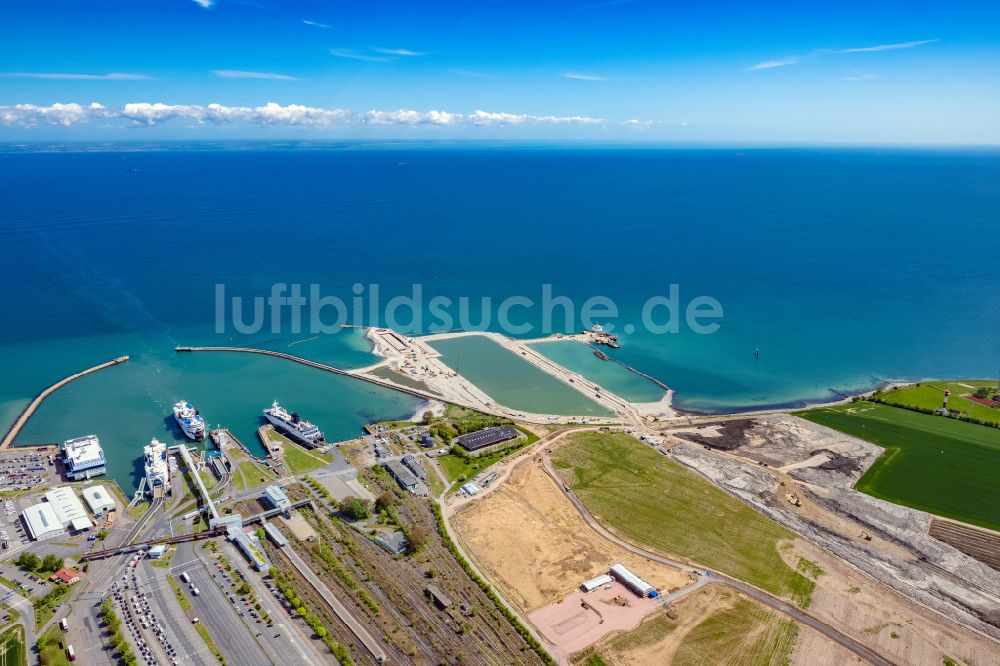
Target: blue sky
755 72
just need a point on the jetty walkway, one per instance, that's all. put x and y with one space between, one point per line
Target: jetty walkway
33 406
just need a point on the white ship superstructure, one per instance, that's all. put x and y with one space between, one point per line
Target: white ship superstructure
157 465
189 420
293 426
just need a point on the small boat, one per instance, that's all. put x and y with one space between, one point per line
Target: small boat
601 355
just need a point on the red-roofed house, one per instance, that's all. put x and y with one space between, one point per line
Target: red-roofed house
65 575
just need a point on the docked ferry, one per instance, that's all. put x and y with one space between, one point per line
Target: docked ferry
157 467
189 420
293 426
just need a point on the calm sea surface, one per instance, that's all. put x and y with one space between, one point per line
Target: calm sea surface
844 267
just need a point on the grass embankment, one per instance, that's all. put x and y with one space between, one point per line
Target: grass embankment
12 648
652 501
930 395
52 647
745 633
931 463
45 606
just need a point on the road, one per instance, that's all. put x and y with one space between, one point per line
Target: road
24 609
217 614
175 623
757 594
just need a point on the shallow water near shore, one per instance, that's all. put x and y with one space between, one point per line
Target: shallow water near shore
845 267
512 381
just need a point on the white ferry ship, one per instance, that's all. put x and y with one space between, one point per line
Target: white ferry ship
157 466
293 426
189 420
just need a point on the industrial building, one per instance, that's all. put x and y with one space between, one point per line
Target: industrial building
98 499
275 496
415 467
83 457
470 489
248 545
41 522
276 536
594 583
69 510
632 582
487 439
157 551
403 476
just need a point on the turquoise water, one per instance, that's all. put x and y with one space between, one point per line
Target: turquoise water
607 374
845 267
512 381
128 404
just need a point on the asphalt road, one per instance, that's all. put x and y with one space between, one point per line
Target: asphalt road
777 604
224 624
176 625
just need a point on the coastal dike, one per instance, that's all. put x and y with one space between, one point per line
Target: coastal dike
426 395
36 403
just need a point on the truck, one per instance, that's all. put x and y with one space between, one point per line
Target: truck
64 624
71 653
185 577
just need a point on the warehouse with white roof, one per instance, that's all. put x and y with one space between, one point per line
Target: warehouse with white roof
98 499
41 522
69 510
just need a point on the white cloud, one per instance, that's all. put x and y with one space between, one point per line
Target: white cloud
398 52
859 76
55 114
889 47
639 125
242 74
580 76
771 64
154 113
207 4
351 54
113 76
317 24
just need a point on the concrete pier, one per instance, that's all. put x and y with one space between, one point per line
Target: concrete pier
33 406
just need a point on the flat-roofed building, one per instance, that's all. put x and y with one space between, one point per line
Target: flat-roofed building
68 508
41 521
98 499
487 439
276 536
414 465
248 545
84 457
403 476
276 497
441 600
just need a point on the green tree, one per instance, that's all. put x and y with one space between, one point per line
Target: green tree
28 560
428 417
356 508
386 500
52 563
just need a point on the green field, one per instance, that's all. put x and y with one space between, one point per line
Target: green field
12 652
52 647
929 395
459 469
651 500
745 633
932 463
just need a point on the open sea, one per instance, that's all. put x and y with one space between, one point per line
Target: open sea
843 267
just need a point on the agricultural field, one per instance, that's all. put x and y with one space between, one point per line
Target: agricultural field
12 648
650 500
929 395
745 633
931 463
